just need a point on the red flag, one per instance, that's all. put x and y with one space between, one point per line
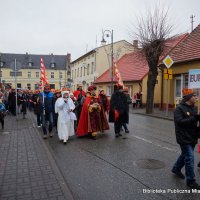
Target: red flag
43 77
117 75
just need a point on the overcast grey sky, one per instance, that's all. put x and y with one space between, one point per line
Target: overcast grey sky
72 26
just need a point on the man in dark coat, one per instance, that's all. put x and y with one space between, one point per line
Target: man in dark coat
119 112
35 100
185 118
12 102
46 102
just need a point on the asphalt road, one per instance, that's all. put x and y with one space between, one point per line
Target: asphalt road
134 166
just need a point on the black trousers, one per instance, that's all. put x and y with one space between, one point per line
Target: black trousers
117 126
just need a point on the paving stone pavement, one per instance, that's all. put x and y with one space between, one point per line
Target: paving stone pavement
27 169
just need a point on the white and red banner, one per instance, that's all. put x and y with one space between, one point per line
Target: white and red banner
43 76
117 75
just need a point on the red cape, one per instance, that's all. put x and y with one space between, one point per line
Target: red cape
83 121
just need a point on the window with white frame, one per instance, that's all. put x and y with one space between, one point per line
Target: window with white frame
29 74
60 75
185 80
28 86
92 68
72 74
37 74
52 74
88 69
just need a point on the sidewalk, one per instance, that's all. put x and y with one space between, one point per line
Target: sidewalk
157 113
27 168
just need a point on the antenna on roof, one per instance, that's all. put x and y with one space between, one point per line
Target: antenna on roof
192 21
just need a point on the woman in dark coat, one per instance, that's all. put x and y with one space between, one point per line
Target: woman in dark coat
119 112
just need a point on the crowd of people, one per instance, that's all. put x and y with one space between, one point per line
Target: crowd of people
80 113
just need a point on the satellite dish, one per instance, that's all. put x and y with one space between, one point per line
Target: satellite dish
18 65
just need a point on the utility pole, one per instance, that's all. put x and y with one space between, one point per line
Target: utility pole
192 21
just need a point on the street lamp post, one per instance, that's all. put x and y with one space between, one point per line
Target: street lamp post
109 33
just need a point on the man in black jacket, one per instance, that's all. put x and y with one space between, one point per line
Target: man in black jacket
185 118
119 112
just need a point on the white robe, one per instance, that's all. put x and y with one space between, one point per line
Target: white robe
65 125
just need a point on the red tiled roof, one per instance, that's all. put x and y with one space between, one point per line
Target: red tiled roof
132 67
171 43
189 48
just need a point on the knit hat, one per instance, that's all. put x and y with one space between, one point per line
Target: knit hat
187 94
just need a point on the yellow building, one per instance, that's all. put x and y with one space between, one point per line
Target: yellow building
28 70
134 72
85 69
186 56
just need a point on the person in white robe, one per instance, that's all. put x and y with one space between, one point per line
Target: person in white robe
64 106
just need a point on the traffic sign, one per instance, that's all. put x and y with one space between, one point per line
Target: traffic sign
168 61
168 74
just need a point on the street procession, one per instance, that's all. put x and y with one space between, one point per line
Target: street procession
100 100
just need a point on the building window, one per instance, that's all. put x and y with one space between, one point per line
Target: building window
108 91
19 85
37 74
84 71
52 75
30 64
52 86
185 80
92 68
28 86
72 74
36 86
81 72
88 69
75 74
1 73
78 72
60 75
29 74
53 65
17 74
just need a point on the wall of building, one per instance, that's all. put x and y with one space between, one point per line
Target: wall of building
157 90
103 55
98 62
83 71
26 81
177 70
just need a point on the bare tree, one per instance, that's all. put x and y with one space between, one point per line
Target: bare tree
152 31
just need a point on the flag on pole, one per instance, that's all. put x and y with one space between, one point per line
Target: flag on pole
43 76
117 75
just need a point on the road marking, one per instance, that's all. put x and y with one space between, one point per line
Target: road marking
158 145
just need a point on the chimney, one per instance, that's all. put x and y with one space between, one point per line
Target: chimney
135 44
